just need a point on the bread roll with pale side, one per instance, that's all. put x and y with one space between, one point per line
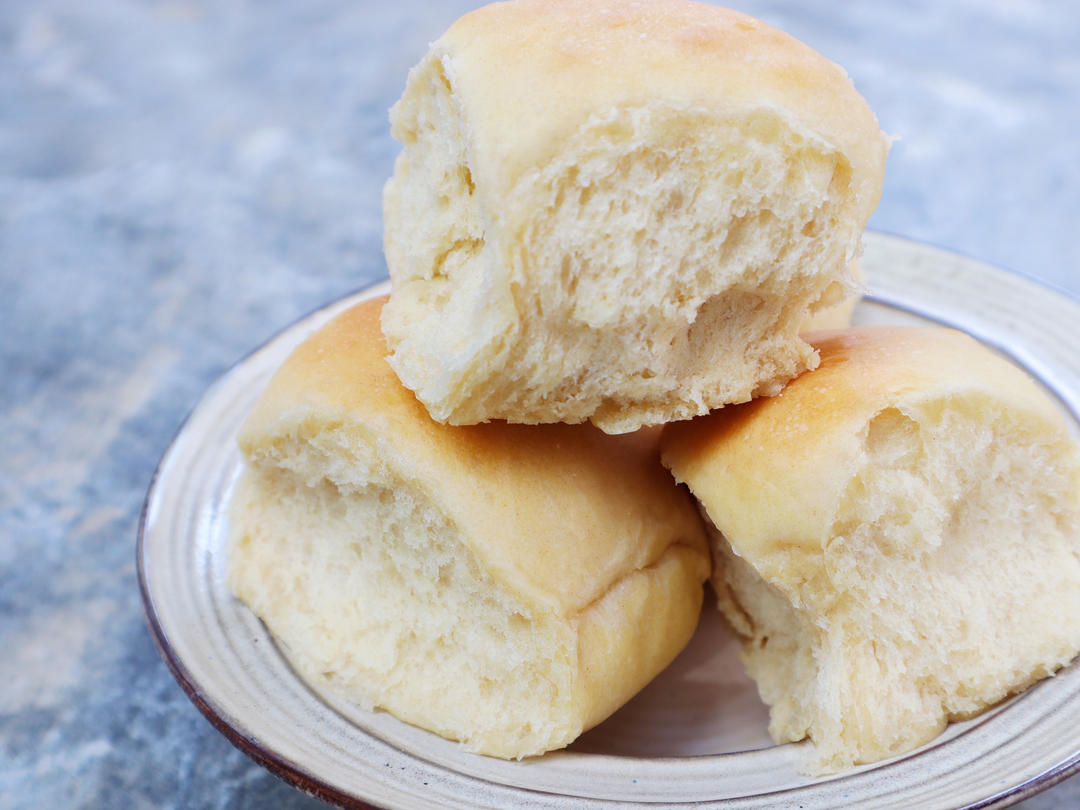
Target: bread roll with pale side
896 537
505 586
618 211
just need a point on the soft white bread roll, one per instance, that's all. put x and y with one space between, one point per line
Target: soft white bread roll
618 211
896 535
500 585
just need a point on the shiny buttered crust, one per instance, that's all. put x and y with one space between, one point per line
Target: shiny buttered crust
503 586
618 211
896 535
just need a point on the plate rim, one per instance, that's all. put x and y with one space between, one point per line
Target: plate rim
297 775
290 772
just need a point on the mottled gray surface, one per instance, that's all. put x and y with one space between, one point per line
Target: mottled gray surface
179 180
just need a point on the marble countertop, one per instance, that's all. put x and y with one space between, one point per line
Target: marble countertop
180 180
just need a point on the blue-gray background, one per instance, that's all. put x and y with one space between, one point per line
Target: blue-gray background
179 180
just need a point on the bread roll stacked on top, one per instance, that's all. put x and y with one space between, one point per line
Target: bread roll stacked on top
501 585
618 211
896 535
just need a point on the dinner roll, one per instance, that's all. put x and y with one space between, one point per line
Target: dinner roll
618 211
501 585
896 535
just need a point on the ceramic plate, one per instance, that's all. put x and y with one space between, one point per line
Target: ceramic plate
697 734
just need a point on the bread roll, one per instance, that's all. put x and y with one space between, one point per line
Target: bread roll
896 535
500 585
618 211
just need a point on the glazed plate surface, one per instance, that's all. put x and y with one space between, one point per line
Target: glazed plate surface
696 735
